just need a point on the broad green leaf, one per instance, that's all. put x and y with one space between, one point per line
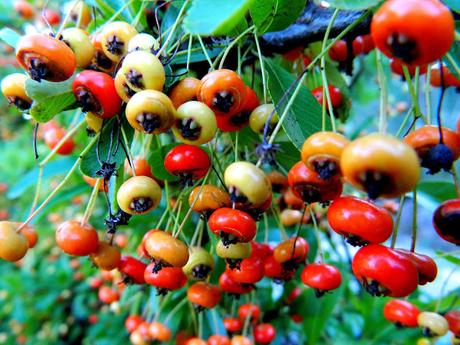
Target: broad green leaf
438 190
451 258
453 5
304 117
49 98
454 66
353 4
275 15
316 311
9 36
90 164
215 17
156 161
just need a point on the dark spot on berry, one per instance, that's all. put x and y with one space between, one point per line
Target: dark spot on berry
437 158
223 101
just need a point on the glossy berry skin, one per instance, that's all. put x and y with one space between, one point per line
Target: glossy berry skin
132 322
233 324
426 267
159 331
361 222
133 269
238 121
381 165
80 43
339 51
188 162
14 89
232 225
208 198
433 324
433 154
24 9
106 257
240 340
108 295
453 318
141 167
228 285
95 92
396 67
223 91
143 71
310 187
184 91
321 152
409 29
218 339
115 38
384 272
13 245
247 184
251 270
275 270
234 252
45 57
334 92
53 137
162 246
29 233
204 295
264 333
168 278
446 219
250 310
446 77
199 265
195 123
144 42
402 313
76 239
259 116
293 250
79 12
150 112
321 277
139 195
100 62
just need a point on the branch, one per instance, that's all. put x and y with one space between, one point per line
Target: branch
311 27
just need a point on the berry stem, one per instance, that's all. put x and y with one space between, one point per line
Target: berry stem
116 14
398 221
173 28
189 52
205 52
456 182
60 185
262 65
414 221
413 95
91 202
317 234
404 122
326 93
231 45
427 90
382 80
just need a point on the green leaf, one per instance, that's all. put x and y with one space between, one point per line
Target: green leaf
90 164
353 4
275 15
156 161
215 17
447 257
316 311
9 36
455 54
49 98
453 5
304 117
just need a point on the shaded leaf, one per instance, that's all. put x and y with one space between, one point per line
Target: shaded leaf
304 117
49 98
275 15
353 4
